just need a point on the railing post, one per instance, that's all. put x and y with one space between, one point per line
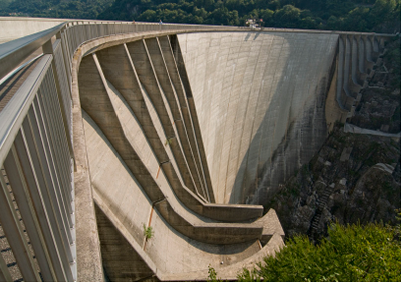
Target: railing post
48 49
15 235
23 185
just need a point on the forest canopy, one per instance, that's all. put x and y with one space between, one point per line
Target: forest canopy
356 15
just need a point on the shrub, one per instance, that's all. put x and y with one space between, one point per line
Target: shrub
350 253
148 232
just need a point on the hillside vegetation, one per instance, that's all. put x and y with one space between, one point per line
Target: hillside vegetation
326 14
74 9
357 15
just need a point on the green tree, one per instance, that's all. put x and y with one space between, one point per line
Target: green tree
274 5
354 19
288 16
267 16
202 13
148 15
332 23
308 23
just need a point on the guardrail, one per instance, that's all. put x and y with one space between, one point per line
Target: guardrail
36 155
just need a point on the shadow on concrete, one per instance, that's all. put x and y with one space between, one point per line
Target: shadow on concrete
278 156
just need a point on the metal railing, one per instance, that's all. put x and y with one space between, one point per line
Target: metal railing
36 155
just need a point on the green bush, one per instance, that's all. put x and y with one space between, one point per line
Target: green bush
351 253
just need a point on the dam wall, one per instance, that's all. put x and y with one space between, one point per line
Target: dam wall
260 101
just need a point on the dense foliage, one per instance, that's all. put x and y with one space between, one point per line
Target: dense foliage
352 253
358 15
363 15
77 9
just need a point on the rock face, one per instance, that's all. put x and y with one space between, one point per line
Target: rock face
260 101
363 188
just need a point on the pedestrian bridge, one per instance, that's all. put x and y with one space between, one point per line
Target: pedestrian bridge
134 151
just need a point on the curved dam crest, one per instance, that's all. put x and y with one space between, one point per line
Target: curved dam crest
260 101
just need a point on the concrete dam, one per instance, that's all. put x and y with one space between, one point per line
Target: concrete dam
179 136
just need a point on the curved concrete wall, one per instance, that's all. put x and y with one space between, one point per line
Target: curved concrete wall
259 98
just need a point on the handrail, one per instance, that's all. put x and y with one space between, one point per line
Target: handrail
12 116
14 52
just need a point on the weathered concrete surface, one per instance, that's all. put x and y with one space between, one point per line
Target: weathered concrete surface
260 100
121 198
89 260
